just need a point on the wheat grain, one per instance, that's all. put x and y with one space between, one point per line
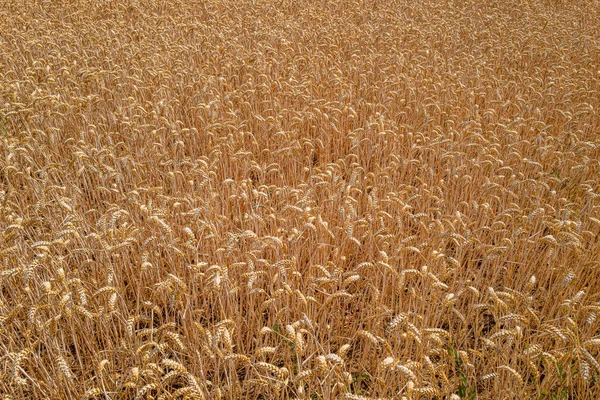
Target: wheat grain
208 199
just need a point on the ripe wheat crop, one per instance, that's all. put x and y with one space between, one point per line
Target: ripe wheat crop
231 199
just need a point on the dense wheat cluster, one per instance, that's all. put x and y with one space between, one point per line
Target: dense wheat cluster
299 199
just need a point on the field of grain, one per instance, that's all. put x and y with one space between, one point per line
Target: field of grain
297 199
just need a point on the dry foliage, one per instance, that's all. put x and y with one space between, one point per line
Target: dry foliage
299 199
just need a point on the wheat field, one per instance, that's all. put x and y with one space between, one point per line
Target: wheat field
297 199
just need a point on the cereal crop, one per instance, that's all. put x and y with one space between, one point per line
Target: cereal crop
295 199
